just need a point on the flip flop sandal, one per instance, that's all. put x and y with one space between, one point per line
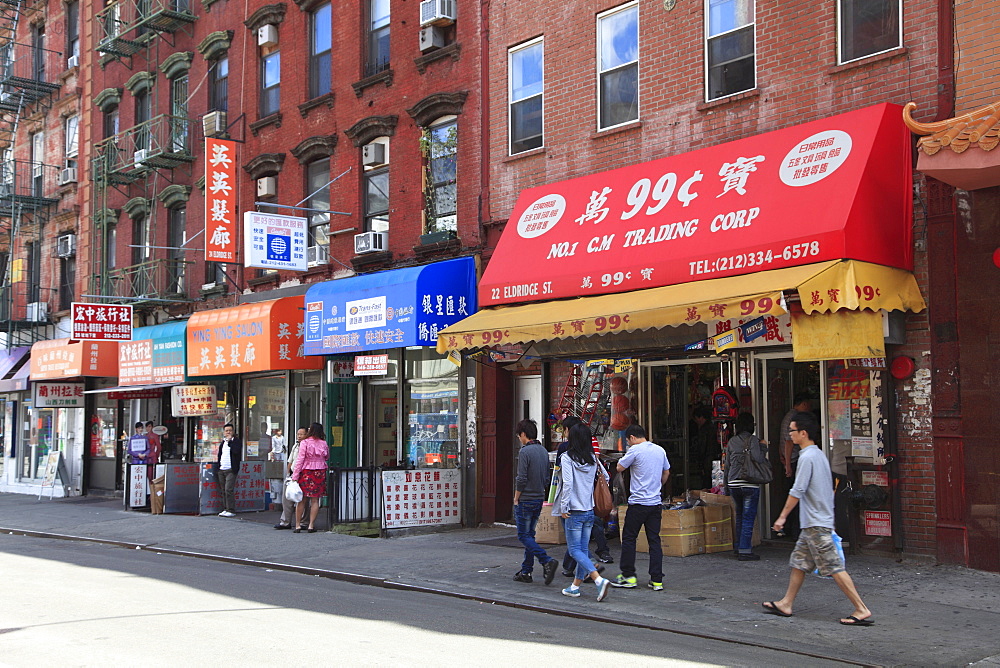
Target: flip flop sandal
867 621
771 609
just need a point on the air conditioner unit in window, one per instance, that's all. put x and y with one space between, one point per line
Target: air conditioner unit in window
370 242
72 61
214 123
431 38
373 155
67 175
437 12
140 155
38 312
317 255
267 186
267 35
66 245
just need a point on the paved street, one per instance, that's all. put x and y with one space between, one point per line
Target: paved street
926 615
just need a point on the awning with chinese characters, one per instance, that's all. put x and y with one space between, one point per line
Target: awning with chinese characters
823 287
263 336
155 355
832 189
65 358
389 309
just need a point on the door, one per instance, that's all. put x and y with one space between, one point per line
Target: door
382 423
343 420
528 404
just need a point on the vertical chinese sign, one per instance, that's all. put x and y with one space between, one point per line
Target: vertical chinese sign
220 200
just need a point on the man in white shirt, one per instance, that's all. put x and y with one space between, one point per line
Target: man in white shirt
230 458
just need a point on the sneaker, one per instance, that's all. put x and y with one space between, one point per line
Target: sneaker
568 574
602 588
624 582
605 558
522 577
226 513
655 586
748 557
279 525
549 569
571 591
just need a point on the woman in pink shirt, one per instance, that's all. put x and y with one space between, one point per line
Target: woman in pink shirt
309 471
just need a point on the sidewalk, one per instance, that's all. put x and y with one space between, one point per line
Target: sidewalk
926 615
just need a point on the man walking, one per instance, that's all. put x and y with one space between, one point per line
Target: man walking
229 459
815 549
288 506
530 487
650 470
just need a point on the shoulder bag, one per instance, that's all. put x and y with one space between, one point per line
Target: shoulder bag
603 503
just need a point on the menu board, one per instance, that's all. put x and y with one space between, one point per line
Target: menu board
419 498
250 486
181 488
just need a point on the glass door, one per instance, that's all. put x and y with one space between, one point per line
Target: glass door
383 424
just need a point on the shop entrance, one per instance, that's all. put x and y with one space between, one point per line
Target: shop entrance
674 394
382 423
342 431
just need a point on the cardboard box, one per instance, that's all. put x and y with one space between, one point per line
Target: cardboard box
723 500
718 528
682 532
549 529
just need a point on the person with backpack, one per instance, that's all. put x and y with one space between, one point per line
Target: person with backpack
747 468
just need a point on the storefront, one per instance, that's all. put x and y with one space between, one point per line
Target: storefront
252 356
14 369
397 406
779 264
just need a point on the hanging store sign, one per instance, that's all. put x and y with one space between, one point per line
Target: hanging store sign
155 355
732 209
58 395
193 400
220 200
101 322
64 358
274 242
418 498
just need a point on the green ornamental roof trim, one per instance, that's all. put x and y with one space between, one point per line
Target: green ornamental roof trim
108 99
174 195
103 217
177 64
137 207
216 44
140 82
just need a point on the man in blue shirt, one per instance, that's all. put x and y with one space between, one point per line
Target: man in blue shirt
650 469
815 549
530 488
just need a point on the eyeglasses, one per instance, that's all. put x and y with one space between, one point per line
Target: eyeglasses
793 431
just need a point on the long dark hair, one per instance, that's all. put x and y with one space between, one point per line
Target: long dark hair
316 431
580 449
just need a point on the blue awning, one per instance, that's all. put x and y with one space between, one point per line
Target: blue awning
11 380
389 309
167 360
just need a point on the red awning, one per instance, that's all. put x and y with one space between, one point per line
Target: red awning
838 188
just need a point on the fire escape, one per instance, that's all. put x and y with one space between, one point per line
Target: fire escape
25 181
140 163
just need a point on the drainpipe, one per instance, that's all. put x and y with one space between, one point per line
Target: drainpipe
946 60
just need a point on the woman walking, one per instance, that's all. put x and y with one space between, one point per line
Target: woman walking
575 504
741 447
310 472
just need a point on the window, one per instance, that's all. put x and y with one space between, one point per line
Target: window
442 168
72 140
111 245
377 200
526 66
729 47
142 114
38 52
176 238
218 87
318 191
67 280
72 29
37 164
618 67
33 256
378 36
179 114
111 123
319 60
270 94
868 27
140 239
215 273
7 172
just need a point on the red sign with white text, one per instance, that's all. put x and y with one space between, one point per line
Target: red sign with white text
878 522
101 322
838 188
220 200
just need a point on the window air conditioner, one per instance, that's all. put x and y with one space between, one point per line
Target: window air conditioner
370 242
38 311
373 155
214 123
67 175
140 155
72 61
437 12
66 245
267 35
431 38
317 255
267 186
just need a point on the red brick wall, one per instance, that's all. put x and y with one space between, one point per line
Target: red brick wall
977 64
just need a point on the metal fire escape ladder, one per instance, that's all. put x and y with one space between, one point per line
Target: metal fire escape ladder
594 382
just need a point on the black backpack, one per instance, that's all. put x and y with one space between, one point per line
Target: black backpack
742 464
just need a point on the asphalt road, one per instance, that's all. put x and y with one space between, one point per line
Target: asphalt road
77 604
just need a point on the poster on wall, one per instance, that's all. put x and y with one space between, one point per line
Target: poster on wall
861 428
193 400
839 418
420 498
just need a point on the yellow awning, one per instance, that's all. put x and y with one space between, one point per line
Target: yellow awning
824 286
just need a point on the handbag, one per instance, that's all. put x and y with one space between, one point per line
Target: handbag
603 503
744 466
293 492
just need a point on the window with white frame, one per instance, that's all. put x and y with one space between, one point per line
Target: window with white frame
618 66
378 37
377 200
72 140
321 43
270 80
72 29
442 175
729 47
526 83
318 190
868 27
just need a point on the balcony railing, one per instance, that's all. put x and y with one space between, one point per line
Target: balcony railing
121 25
163 142
25 185
27 74
154 280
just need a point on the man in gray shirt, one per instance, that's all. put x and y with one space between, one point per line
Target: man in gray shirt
530 488
815 549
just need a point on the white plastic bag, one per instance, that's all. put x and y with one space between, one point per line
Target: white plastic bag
292 491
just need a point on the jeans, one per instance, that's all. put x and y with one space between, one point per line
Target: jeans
745 500
636 518
526 517
596 535
578 526
227 489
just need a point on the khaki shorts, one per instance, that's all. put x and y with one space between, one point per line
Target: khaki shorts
815 550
